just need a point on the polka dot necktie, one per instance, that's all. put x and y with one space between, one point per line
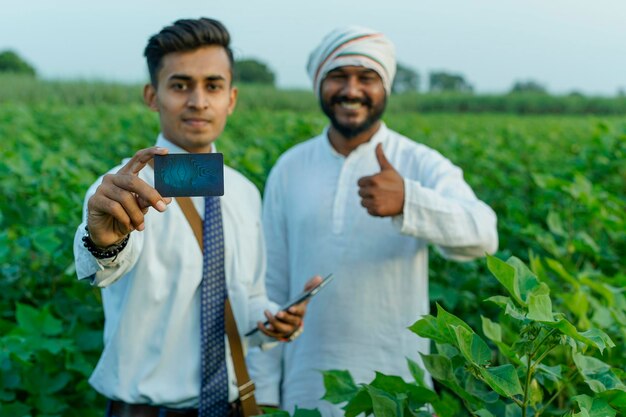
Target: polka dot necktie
213 377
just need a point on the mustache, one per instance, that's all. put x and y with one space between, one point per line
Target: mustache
366 101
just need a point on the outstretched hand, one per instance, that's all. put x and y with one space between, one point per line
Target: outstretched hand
285 324
382 194
121 201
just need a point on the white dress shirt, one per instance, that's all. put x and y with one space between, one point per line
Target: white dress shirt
151 296
314 224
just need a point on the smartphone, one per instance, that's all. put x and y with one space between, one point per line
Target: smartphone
300 298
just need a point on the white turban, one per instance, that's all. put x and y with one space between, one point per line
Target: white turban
353 45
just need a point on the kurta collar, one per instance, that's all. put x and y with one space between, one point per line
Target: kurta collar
378 137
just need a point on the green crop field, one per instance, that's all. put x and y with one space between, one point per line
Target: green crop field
555 328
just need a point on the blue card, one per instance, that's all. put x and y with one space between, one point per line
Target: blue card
187 175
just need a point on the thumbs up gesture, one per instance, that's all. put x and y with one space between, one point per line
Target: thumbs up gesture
382 194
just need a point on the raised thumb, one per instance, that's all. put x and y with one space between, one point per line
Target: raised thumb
382 159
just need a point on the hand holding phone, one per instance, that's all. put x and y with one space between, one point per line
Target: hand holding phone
305 295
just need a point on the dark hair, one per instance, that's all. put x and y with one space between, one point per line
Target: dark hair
185 35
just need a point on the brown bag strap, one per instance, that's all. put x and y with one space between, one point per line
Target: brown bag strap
245 385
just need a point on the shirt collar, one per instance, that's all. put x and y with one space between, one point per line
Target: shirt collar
163 142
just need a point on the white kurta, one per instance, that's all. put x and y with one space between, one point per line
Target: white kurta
151 296
314 224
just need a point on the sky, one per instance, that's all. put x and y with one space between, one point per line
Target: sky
565 45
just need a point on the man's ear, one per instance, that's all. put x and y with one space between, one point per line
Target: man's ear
233 100
150 97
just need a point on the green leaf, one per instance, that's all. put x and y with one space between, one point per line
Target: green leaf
384 405
45 240
52 345
17 346
540 304
555 224
593 407
47 404
548 181
304 412
562 272
602 288
360 403
509 307
77 362
483 413
598 340
512 410
492 330
578 303
505 274
616 398
438 328
585 243
500 300
503 379
526 280
447 322
447 406
597 374
38 382
553 373
417 372
450 319
37 322
340 386
428 328
390 384
440 368
479 389
397 386
14 410
472 347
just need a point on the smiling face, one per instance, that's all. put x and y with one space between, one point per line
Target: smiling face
354 100
193 97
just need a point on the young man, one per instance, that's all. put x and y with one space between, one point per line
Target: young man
363 202
165 351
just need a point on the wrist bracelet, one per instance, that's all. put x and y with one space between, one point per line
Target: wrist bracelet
103 253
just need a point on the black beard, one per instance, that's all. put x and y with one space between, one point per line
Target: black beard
350 131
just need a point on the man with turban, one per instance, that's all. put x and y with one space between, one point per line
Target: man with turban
362 202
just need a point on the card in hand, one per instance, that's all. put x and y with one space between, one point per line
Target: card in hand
187 175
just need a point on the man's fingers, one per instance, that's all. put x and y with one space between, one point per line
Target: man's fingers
365 181
293 316
311 283
140 159
119 201
280 326
382 159
367 202
100 205
366 192
149 196
144 204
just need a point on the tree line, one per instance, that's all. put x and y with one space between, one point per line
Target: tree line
254 71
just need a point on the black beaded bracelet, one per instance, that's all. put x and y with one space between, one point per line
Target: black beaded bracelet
103 253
